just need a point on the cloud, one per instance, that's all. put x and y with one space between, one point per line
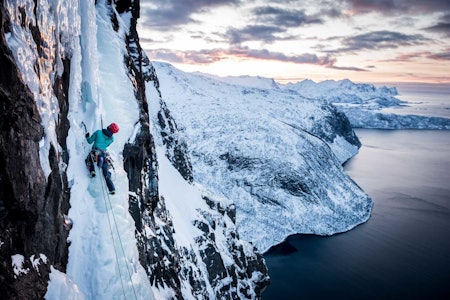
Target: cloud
187 57
347 68
408 57
269 24
440 55
399 25
285 18
391 7
266 33
331 11
377 40
164 15
414 56
443 26
214 55
150 40
305 58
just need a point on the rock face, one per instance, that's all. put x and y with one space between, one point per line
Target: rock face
32 206
168 265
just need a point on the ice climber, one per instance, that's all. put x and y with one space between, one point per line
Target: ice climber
102 139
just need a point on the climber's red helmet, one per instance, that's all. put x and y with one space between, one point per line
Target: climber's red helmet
113 127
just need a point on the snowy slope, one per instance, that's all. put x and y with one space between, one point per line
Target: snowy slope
215 263
248 81
276 155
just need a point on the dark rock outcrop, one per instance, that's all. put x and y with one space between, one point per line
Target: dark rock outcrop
32 207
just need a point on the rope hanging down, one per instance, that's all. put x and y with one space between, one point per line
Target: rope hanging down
106 196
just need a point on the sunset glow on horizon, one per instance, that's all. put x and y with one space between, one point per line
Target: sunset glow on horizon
362 40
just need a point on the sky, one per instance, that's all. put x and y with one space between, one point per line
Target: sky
292 40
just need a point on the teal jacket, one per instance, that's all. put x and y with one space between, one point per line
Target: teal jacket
101 139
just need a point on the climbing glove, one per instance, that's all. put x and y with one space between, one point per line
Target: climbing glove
87 135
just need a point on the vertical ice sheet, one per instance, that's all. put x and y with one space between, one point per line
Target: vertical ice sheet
103 256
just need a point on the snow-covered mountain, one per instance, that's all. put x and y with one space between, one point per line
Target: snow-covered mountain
275 154
345 91
363 104
248 81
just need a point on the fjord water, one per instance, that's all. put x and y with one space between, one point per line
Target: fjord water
432 100
403 251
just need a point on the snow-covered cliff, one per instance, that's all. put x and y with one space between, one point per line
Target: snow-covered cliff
277 155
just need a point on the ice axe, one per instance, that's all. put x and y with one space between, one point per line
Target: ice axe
84 126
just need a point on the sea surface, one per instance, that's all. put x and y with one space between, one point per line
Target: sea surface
403 251
431 100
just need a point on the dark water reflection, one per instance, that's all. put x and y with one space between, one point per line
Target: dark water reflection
403 251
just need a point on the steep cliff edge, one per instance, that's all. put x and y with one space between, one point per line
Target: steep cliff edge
169 265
